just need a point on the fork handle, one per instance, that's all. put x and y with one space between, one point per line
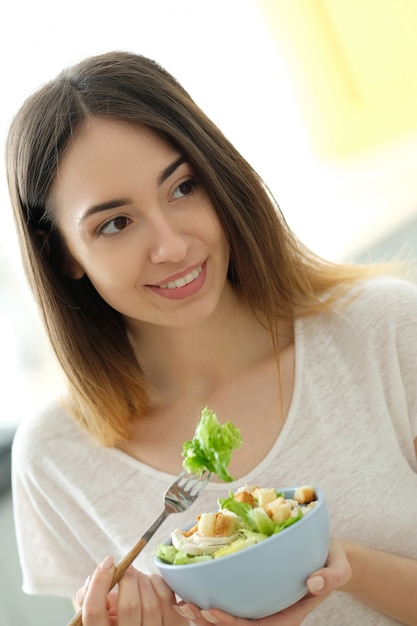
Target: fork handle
127 561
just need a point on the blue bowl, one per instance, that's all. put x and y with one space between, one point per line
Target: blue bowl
261 579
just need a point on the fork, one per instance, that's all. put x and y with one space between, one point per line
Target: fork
179 496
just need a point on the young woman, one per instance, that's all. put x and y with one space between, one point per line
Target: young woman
168 281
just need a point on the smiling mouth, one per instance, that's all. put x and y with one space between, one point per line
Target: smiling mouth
184 280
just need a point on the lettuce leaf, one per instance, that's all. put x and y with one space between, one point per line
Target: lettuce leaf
170 554
166 553
211 447
242 509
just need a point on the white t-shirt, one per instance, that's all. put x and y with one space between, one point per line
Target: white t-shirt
350 430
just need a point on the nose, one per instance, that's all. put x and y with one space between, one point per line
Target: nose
166 243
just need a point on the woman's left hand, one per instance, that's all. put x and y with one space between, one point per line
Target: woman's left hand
321 584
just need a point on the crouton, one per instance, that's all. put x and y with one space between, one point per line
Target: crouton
304 495
264 496
215 525
248 488
190 531
224 525
278 510
244 496
206 524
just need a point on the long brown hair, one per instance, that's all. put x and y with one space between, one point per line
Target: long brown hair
268 267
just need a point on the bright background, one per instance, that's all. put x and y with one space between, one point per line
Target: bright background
319 95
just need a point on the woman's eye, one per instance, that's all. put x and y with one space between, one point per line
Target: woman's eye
185 189
114 225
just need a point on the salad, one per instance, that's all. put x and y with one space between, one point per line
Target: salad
249 515
211 447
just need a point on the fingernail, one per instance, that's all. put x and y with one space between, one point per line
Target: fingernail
87 581
209 617
107 563
315 584
184 611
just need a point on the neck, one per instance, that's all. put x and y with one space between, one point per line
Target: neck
194 360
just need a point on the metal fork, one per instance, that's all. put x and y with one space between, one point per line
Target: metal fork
179 496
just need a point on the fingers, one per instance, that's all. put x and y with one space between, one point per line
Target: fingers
212 616
199 618
101 608
171 613
334 575
167 600
80 595
164 593
94 605
130 602
151 603
139 600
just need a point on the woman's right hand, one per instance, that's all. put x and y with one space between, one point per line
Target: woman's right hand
140 600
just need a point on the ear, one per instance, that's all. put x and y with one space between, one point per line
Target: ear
42 237
73 269
63 260
69 266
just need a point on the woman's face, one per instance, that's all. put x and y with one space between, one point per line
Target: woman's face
140 226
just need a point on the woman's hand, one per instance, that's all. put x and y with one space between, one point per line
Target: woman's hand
321 584
140 600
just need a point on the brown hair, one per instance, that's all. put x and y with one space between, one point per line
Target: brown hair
268 266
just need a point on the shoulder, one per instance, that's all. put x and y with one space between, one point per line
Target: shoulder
45 424
391 301
45 437
375 314
379 323
375 290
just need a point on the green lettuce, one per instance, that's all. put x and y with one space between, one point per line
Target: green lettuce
170 554
211 447
242 509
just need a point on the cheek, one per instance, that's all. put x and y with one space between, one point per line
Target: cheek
212 225
107 278
107 264
112 275
222 241
112 289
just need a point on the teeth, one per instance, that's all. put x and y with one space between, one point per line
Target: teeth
181 282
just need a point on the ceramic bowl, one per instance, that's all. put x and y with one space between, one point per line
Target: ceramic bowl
261 579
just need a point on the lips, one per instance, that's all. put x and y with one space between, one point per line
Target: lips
184 280
182 286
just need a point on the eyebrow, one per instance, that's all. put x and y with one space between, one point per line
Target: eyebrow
114 204
102 206
166 173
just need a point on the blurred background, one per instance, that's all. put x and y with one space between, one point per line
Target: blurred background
320 96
